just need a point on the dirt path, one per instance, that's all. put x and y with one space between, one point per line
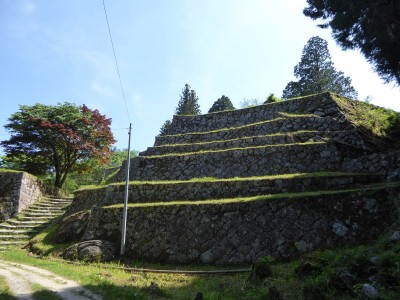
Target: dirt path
20 279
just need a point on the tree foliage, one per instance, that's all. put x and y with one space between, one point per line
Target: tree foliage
188 103
316 73
165 127
57 139
223 103
272 99
373 26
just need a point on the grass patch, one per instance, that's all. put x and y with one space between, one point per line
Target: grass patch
43 243
272 197
244 126
42 293
233 149
381 122
241 138
5 293
214 179
2 170
326 274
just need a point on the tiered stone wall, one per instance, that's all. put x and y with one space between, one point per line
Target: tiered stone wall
321 105
237 233
18 190
218 189
263 160
304 135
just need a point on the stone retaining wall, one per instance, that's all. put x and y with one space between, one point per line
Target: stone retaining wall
283 159
279 125
321 104
239 233
350 137
189 191
18 190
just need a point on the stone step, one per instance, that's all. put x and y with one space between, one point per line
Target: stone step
44 209
42 214
12 231
257 161
13 237
212 188
40 218
278 125
12 243
348 137
26 222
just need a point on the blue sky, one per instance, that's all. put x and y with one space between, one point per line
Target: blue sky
60 51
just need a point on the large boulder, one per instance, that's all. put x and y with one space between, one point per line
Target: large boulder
72 228
89 251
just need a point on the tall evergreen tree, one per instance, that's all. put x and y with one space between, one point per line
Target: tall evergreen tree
223 103
316 73
373 26
188 104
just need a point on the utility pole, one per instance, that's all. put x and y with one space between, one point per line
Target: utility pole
125 211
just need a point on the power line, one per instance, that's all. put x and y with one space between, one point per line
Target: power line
116 62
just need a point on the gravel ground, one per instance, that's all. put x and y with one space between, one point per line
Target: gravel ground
20 279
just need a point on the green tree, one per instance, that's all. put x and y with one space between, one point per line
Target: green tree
371 26
188 104
57 139
316 73
90 171
272 99
223 103
165 127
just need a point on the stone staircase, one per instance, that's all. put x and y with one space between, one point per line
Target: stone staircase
231 186
16 231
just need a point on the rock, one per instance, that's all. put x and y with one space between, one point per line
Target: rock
395 236
369 292
72 228
93 250
340 229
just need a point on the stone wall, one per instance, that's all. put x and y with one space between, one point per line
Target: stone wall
242 162
258 127
18 190
321 105
236 233
215 189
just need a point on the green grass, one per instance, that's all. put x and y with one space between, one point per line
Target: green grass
42 293
245 126
43 243
5 293
232 149
241 138
380 259
214 179
2 170
377 120
258 198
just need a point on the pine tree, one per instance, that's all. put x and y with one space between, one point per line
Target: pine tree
369 25
223 103
316 73
188 104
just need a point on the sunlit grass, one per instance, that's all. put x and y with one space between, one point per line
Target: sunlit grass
214 179
271 197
